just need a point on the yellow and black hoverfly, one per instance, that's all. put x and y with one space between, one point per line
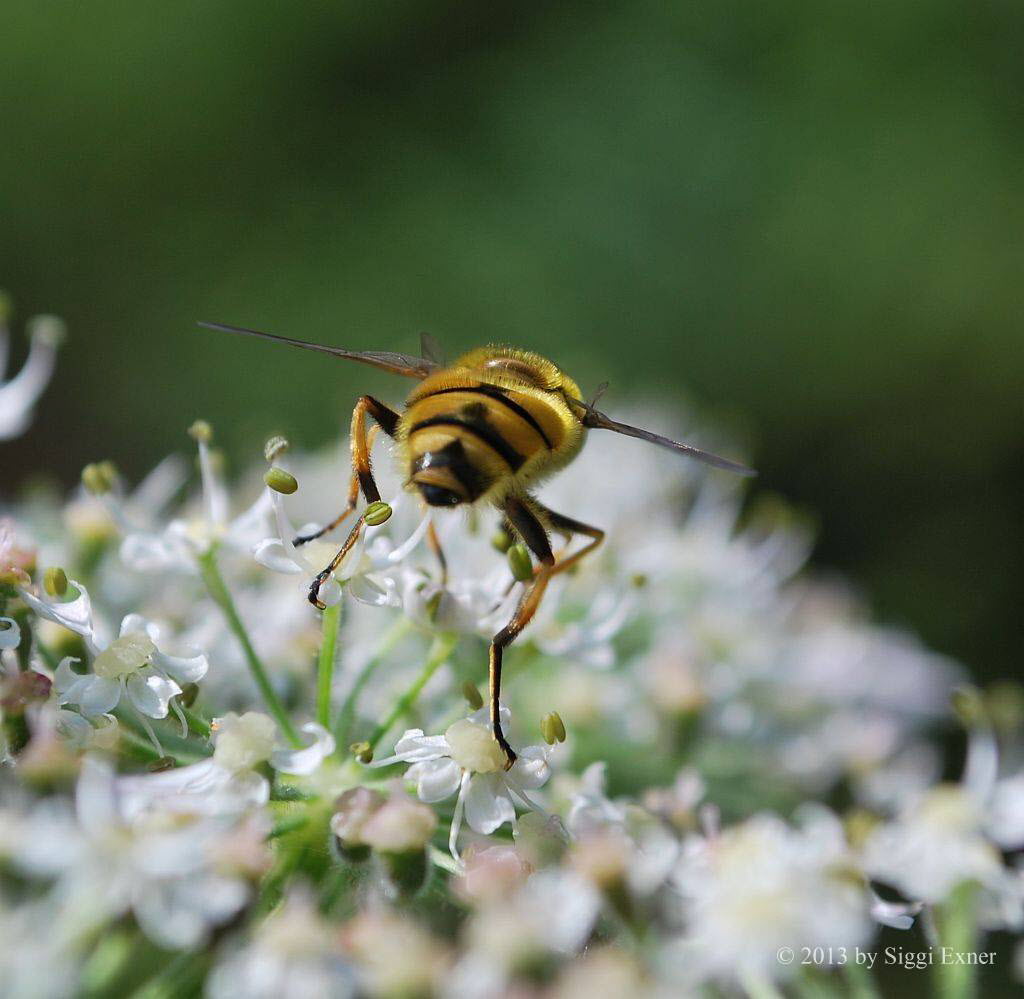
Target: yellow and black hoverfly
484 429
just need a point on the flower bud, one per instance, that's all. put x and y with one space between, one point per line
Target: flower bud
99 477
280 481
968 706
520 563
275 447
376 514
351 812
501 540
401 825
201 432
49 329
55 582
243 741
361 751
552 728
471 692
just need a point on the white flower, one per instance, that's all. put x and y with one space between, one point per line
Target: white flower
647 849
293 954
19 395
162 866
368 569
552 914
131 664
936 844
177 546
763 885
467 759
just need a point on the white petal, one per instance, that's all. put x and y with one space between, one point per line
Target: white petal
97 695
185 669
96 803
250 525
10 635
374 591
151 693
19 394
151 552
304 761
531 769
330 593
414 746
272 554
75 615
487 804
136 624
435 779
65 679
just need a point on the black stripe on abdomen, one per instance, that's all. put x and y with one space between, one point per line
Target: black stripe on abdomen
495 393
481 431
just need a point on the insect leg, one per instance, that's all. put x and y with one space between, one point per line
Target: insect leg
520 515
435 546
568 527
527 607
387 420
353 499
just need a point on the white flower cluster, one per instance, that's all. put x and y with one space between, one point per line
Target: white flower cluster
740 763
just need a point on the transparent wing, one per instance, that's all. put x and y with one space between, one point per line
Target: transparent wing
432 350
596 419
397 364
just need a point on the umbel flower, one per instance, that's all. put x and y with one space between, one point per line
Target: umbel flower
131 665
467 760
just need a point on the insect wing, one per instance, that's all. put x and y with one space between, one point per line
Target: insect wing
596 419
398 364
431 350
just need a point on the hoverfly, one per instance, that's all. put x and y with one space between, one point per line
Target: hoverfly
483 429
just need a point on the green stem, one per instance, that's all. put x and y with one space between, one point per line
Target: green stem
859 981
196 722
325 665
222 597
439 653
957 936
343 726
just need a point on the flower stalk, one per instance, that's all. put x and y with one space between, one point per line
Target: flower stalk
221 595
440 650
325 665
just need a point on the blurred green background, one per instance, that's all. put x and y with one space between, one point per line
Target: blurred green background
805 217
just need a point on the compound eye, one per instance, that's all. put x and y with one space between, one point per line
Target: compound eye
438 495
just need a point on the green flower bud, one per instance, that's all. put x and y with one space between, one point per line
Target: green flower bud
361 751
552 728
520 563
501 540
201 432
376 514
280 481
969 706
472 695
99 477
55 582
275 447
50 329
